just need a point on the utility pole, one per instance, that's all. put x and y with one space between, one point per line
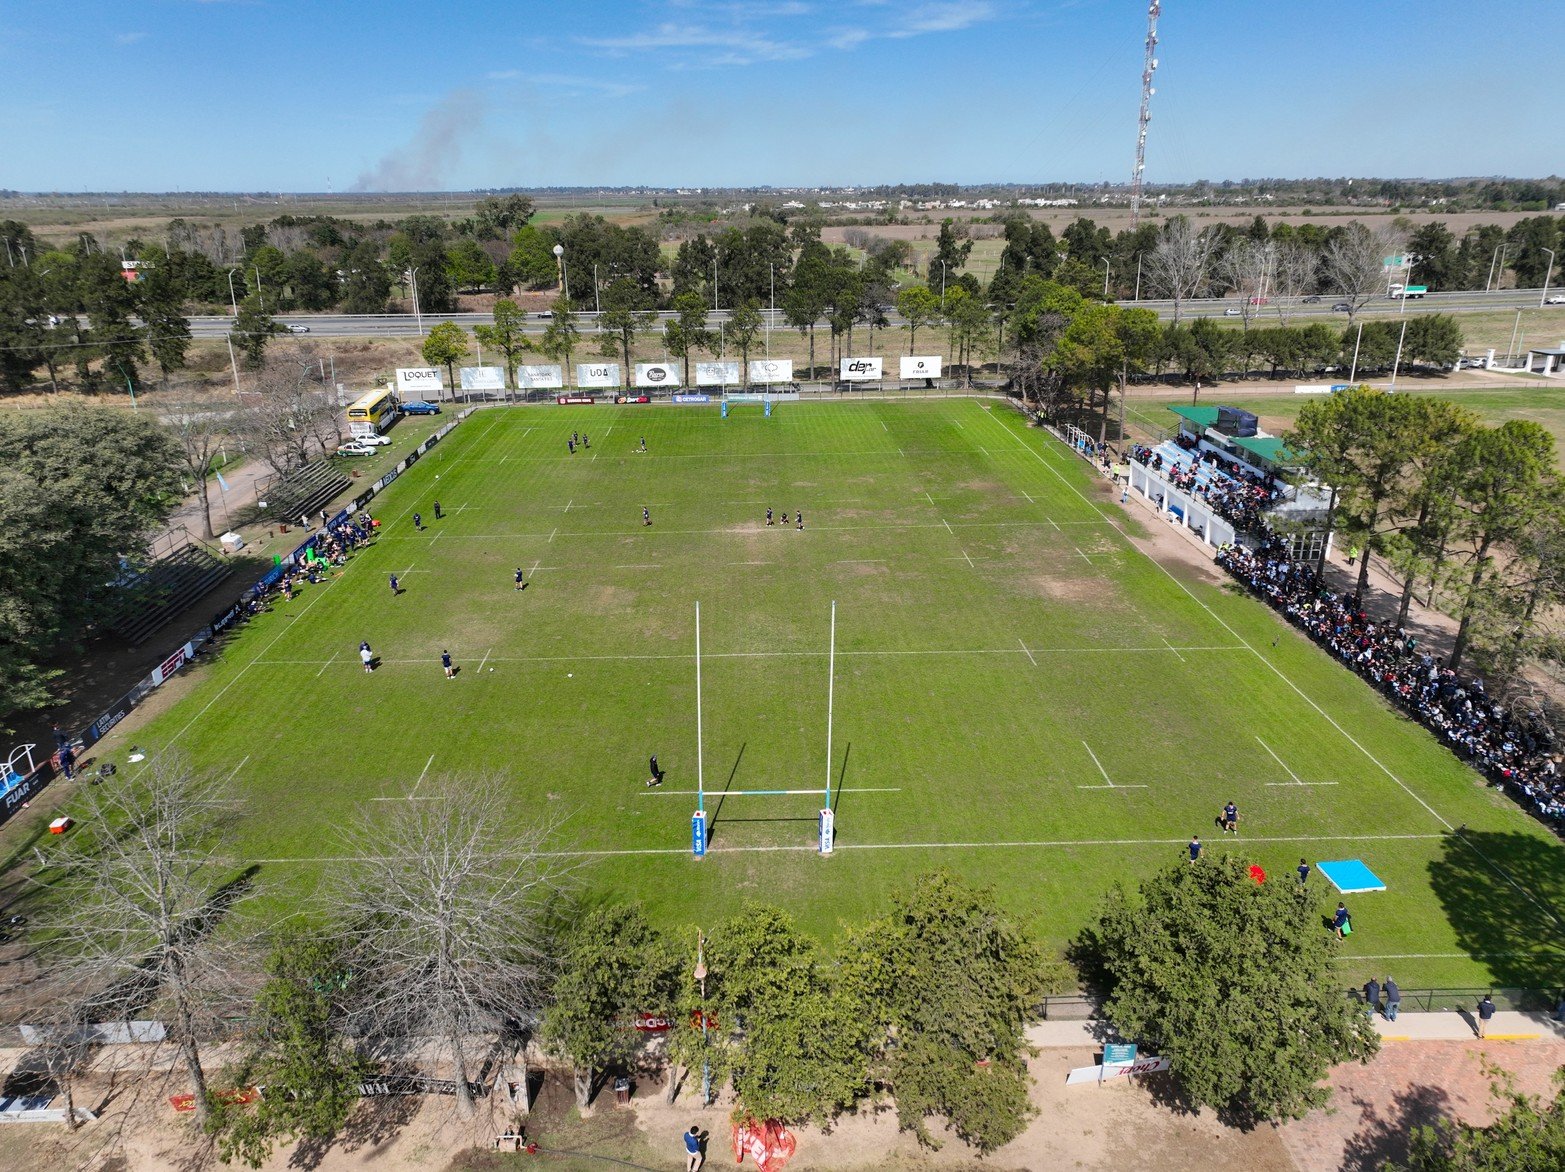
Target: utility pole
1154 10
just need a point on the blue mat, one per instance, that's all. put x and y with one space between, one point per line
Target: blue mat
1351 876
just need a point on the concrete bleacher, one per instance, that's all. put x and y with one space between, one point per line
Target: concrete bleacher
163 590
305 492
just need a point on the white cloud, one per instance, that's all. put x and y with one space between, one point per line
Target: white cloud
129 38
735 46
943 16
503 74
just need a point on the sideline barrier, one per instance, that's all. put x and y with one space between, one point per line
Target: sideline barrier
19 793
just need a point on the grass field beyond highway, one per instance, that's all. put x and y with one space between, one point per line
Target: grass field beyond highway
1020 694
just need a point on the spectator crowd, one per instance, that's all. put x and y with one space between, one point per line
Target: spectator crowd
1237 494
1514 750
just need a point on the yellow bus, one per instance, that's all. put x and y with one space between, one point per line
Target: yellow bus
374 412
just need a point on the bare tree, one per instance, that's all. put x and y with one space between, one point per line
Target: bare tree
202 429
137 894
1180 263
1353 263
1293 275
1246 268
290 415
444 910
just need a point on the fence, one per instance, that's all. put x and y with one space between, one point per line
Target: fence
18 793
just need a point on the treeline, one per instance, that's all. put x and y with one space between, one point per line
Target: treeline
1447 501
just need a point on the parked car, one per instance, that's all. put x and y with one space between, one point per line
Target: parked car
1342 307
374 439
356 448
1557 299
295 328
1232 311
419 407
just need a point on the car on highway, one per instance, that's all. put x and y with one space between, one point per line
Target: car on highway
1342 307
1312 299
419 407
356 448
295 328
1232 311
1557 299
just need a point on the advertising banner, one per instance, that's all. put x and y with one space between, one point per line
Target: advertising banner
543 378
577 400
657 374
717 374
692 398
633 398
418 382
483 378
598 374
861 370
917 367
771 370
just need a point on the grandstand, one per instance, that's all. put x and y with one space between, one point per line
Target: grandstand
157 594
301 493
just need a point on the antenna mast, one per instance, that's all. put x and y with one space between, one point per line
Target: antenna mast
1154 9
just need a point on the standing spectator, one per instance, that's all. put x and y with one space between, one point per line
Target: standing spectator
657 774
445 662
366 656
418 522
1372 996
396 587
438 513
61 737
1195 847
693 1157
519 582
1393 1000
1485 1012
1231 817
1304 871
1342 923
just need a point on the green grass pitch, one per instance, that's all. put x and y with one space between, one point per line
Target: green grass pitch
1021 695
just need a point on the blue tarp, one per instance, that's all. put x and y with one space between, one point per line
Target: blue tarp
1351 876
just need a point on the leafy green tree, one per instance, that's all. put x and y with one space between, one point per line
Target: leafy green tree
162 313
468 266
918 306
744 325
532 259
109 302
560 335
1233 981
967 318
1503 477
627 311
445 346
23 327
1432 338
436 293
506 335
497 216
253 328
614 966
1529 1134
1200 349
310 284
1528 239
1433 250
809 291
299 1052
687 332
952 248
366 285
949 983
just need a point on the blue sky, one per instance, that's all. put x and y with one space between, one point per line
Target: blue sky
288 95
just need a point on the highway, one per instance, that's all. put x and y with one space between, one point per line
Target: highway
405 325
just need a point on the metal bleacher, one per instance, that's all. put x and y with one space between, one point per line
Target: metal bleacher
165 588
304 492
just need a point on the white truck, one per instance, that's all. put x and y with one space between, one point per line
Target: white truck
1397 292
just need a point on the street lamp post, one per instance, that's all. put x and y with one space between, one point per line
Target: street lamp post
942 284
1137 295
715 306
1396 363
1359 337
1106 266
596 304
259 288
232 301
559 260
771 312
1496 264
1542 297
418 318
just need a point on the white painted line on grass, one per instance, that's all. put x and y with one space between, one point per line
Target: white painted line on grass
1297 780
740 793
1029 653
534 570
1084 557
1172 648
970 564
421 776
325 665
485 659
568 505
929 498
640 566
947 524
556 530
236 770
1024 492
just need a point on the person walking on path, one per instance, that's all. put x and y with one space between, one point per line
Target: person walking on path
1195 847
1485 1012
1372 996
693 1157
445 662
1393 1000
1342 923
366 656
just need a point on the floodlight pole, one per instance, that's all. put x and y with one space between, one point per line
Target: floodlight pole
700 775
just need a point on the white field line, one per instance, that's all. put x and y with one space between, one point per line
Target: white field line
985 844
484 660
969 560
235 772
556 531
325 665
534 570
1029 653
947 524
1298 691
568 505
1108 781
1171 647
749 532
414 792
929 498
1297 780
745 793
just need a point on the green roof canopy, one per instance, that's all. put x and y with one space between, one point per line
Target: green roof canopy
1270 448
1202 416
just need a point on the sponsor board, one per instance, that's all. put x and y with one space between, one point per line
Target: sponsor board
22 792
920 366
771 370
657 374
598 374
717 374
653 1023
418 382
540 378
482 378
861 370
692 398
633 398
414 1084
1110 1070
578 400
